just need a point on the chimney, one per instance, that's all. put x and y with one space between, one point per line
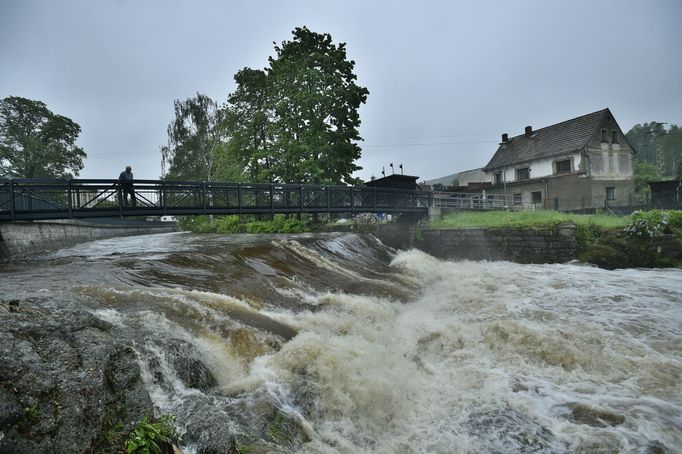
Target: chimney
505 138
529 131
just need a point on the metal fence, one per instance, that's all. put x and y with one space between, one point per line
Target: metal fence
481 201
54 199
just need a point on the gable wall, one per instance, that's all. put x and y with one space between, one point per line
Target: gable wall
609 160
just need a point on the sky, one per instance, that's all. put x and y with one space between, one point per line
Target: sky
446 78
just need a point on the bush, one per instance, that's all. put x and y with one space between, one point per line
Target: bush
648 224
153 437
197 224
675 218
228 224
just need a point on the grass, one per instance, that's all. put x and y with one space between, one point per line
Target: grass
526 219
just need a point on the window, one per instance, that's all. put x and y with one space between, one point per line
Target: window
523 173
517 199
562 166
536 197
498 177
604 136
610 193
614 135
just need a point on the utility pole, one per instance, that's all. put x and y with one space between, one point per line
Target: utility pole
660 167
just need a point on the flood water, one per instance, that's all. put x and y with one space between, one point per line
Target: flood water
362 348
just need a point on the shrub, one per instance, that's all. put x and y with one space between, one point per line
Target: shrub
228 224
647 224
155 437
675 218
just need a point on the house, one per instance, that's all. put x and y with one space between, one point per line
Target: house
581 164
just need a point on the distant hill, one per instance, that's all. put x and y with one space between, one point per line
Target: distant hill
446 180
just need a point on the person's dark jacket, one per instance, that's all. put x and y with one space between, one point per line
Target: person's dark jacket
126 178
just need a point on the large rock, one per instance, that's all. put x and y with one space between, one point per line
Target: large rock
68 381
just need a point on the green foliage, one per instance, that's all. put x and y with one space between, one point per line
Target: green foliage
524 219
153 437
228 224
648 138
647 224
280 224
197 146
644 173
297 121
232 224
36 143
196 224
675 219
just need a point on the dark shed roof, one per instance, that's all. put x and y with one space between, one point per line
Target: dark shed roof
395 181
565 137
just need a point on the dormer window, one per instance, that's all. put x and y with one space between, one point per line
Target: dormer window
604 136
614 135
523 173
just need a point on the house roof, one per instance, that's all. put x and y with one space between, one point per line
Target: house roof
565 137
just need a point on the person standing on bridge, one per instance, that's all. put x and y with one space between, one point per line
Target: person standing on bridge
125 179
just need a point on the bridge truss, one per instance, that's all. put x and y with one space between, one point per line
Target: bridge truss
35 199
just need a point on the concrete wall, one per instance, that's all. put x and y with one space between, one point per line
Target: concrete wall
551 245
23 238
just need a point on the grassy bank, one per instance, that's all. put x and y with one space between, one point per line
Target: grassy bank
526 219
605 240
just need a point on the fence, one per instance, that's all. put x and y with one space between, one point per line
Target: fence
517 202
53 199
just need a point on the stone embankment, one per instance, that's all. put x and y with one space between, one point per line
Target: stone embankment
541 245
22 238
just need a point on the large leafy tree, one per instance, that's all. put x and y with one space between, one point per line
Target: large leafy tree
297 121
249 119
36 143
196 145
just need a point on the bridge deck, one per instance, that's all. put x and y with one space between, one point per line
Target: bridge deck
34 199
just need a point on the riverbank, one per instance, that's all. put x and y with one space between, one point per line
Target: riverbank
22 238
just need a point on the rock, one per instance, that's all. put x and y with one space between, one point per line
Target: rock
66 378
583 414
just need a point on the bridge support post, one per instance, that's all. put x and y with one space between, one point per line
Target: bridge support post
12 206
69 202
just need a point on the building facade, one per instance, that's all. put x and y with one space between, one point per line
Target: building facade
581 164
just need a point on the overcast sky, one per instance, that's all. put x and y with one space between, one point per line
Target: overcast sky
446 78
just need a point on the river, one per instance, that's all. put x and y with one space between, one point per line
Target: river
360 348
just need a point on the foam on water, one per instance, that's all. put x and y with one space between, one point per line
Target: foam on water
415 355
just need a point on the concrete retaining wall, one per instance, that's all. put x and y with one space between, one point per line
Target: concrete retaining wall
547 245
23 238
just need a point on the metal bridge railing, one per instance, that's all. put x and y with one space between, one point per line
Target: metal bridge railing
54 199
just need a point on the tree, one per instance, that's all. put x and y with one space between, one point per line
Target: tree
36 143
650 138
196 145
644 173
248 121
297 121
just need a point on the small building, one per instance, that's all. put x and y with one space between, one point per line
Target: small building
666 194
581 164
395 181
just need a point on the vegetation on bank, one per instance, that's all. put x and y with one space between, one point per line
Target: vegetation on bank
605 240
525 219
233 224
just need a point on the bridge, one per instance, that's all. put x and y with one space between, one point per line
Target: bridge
38 199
